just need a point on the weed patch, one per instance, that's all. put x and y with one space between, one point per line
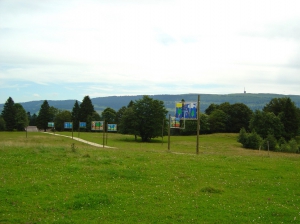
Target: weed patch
89 200
212 190
86 155
122 174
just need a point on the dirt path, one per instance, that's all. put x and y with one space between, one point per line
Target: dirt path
81 140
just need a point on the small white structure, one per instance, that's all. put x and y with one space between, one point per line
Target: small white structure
32 129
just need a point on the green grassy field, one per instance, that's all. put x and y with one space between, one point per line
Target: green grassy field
44 180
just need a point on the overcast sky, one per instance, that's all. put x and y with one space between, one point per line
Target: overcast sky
66 49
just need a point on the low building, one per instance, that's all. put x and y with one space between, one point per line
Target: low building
32 129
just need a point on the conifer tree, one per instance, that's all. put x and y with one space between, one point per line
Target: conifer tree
86 109
75 115
8 114
44 116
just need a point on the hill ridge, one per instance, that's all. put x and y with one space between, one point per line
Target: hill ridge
255 101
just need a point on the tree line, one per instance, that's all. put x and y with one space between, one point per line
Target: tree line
143 117
147 118
274 128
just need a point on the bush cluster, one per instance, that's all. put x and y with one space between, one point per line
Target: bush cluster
290 146
254 141
250 140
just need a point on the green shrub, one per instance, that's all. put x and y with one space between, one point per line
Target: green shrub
242 138
86 200
270 143
73 147
285 147
281 141
210 189
249 140
277 148
253 141
293 146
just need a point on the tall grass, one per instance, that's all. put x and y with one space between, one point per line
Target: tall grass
43 180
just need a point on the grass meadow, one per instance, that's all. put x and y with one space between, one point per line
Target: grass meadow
52 179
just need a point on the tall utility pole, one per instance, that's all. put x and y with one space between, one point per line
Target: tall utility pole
198 124
169 132
103 133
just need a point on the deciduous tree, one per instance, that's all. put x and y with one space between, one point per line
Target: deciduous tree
21 118
211 108
119 115
62 117
191 126
266 123
93 117
53 111
128 123
286 110
239 117
109 115
148 115
217 121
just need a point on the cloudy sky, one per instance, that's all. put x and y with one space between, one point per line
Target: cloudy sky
66 49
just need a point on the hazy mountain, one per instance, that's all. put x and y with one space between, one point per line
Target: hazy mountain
34 106
253 101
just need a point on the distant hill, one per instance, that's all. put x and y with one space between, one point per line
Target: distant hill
253 101
34 106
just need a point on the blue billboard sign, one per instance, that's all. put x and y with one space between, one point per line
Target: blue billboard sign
112 127
50 124
68 125
186 110
82 124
